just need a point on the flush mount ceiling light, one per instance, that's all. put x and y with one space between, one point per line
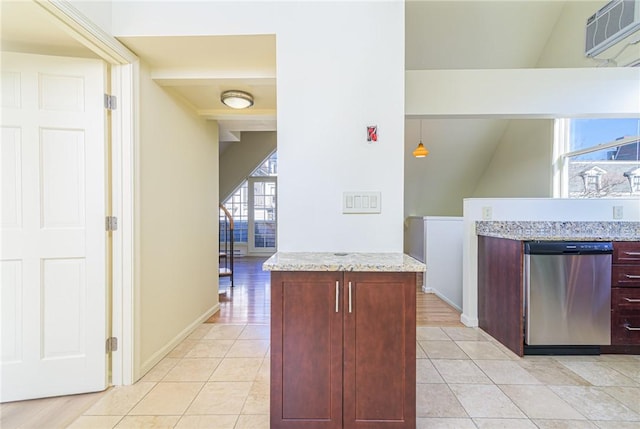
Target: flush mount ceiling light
420 151
237 99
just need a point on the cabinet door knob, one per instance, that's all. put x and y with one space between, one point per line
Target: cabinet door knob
337 296
350 297
631 276
631 300
632 253
631 328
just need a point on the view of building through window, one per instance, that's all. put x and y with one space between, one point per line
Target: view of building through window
255 218
600 158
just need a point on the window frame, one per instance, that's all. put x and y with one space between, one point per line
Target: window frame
562 155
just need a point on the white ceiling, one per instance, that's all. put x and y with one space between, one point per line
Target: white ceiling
27 27
449 34
198 69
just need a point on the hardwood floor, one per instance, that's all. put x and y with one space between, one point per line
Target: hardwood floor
249 300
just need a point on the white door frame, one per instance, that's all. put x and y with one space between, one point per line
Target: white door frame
124 177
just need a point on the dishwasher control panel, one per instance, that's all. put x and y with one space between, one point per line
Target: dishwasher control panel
567 247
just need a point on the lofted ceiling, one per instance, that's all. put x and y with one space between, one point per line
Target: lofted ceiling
449 34
439 35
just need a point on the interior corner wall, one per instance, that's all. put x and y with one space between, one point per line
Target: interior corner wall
178 198
241 158
340 68
522 163
459 151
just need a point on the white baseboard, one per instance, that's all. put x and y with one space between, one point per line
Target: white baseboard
467 321
160 354
442 297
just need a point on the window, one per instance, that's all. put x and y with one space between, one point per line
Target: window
255 220
596 158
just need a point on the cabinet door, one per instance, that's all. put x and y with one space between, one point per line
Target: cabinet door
306 350
380 350
625 317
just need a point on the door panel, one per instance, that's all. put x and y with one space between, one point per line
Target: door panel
306 351
53 239
379 350
62 179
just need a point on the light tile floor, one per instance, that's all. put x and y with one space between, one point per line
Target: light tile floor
218 378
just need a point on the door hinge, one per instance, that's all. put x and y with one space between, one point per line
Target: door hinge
112 344
110 102
111 223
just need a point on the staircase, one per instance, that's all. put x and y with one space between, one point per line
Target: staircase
225 257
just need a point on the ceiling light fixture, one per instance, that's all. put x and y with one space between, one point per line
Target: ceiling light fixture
420 151
237 99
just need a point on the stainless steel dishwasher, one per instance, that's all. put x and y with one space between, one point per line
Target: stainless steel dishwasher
567 296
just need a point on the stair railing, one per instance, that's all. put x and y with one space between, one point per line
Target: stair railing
228 244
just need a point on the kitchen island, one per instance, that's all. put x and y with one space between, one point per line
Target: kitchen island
343 340
501 276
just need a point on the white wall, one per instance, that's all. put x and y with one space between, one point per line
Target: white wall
241 158
526 209
98 11
340 67
460 150
177 223
528 93
522 164
437 241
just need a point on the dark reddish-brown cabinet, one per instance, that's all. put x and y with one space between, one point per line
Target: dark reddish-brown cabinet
625 294
343 350
500 296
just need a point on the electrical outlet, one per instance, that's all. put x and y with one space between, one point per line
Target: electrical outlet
617 212
487 213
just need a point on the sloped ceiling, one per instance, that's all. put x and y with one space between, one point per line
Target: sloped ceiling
477 34
448 34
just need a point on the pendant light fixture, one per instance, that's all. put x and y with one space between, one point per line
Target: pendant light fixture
420 151
237 99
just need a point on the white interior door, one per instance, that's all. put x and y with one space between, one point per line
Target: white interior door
52 226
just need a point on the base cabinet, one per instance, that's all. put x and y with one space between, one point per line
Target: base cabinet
625 294
343 350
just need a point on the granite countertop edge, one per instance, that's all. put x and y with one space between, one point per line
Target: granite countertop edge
560 230
542 237
353 261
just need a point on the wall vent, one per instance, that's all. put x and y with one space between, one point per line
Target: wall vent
612 23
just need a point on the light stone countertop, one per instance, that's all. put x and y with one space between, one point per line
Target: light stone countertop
560 230
352 261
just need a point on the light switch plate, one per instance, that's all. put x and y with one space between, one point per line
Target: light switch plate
361 202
